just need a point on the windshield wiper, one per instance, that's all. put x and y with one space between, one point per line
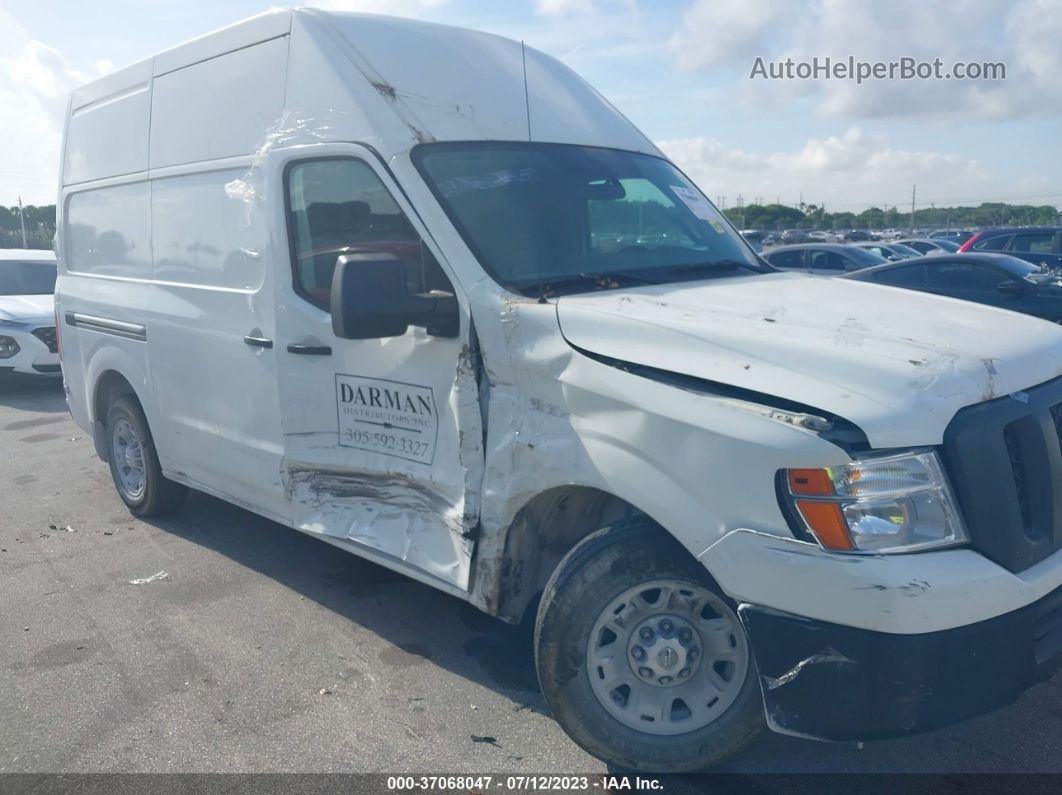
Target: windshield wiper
599 281
611 280
716 265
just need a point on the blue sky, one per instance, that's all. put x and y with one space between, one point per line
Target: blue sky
680 70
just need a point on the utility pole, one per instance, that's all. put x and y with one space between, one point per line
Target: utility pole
912 207
22 223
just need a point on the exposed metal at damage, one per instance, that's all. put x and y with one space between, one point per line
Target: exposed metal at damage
391 513
827 655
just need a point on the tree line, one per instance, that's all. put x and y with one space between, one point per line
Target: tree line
812 216
40 226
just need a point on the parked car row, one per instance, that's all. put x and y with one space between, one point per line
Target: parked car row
993 279
1035 244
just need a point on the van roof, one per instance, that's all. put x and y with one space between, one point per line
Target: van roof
314 75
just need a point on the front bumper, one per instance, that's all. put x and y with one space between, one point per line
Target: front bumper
34 357
831 682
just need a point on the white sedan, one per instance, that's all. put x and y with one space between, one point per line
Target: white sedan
27 313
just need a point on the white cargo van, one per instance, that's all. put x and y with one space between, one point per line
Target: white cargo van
424 294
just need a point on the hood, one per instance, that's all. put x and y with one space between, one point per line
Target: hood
27 308
897 363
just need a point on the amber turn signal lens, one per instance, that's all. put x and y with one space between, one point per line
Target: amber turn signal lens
813 482
827 523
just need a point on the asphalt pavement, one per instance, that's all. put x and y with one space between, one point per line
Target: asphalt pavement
219 641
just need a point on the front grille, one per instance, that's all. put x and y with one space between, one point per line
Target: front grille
46 335
1017 466
1005 460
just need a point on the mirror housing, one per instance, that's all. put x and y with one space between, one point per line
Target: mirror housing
1014 288
370 300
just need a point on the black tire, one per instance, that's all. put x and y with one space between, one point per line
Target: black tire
595 572
159 496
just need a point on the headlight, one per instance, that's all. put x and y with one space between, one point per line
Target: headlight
8 347
895 503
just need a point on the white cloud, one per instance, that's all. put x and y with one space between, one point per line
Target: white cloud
396 8
35 80
846 171
719 31
559 7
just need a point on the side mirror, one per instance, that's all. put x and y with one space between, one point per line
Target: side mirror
370 301
1013 288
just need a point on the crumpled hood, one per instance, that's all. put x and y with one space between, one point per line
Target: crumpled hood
896 362
26 308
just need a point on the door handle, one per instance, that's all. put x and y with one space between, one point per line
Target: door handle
258 342
310 350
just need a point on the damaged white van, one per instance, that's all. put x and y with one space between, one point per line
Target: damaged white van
424 294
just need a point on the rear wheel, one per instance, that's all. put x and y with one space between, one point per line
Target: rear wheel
641 658
135 464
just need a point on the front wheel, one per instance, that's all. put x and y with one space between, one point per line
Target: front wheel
641 658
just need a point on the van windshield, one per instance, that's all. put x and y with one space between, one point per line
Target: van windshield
556 218
26 278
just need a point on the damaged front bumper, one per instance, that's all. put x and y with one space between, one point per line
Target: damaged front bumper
831 682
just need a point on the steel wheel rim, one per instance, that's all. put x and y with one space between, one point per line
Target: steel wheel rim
127 453
629 684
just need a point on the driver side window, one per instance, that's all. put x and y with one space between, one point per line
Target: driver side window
339 206
965 276
827 261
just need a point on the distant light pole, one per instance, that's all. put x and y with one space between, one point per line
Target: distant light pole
22 223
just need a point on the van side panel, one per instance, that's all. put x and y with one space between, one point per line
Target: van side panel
107 130
218 108
109 232
199 236
219 416
264 26
104 288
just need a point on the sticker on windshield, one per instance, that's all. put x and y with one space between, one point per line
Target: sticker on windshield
699 206
387 417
